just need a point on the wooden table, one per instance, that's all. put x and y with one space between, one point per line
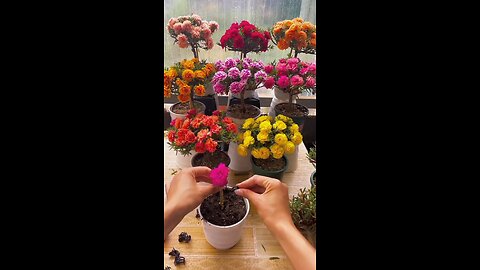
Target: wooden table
257 245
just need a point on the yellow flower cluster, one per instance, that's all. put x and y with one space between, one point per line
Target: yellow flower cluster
296 34
267 137
186 76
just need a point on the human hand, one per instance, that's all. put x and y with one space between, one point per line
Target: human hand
188 189
270 198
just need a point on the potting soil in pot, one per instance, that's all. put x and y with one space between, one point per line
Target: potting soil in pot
235 110
211 161
183 108
285 109
234 208
270 164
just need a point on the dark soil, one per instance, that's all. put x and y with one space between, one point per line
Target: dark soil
183 108
270 164
234 208
211 160
286 109
235 111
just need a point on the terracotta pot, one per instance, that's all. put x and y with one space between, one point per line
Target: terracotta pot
274 174
224 237
183 116
199 156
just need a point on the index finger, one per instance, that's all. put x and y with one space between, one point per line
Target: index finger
201 174
256 180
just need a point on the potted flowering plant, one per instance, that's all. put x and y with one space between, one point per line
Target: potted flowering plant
269 141
202 134
186 79
292 77
239 76
303 208
224 213
296 34
244 38
191 31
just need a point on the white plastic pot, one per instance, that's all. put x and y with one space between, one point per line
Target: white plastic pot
237 162
183 116
279 97
185 161
292 159
224 237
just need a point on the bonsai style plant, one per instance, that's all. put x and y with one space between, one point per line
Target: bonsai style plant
224 213
191 31
239 76
185 79
312 157
201 134
292 77
244 38
269 140
296 34
303 208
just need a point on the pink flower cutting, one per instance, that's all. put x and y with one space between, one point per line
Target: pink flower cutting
219 175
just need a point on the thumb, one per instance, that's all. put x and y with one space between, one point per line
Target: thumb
247 193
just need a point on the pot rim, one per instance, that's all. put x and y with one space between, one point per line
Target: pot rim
247 204
246 105
279 171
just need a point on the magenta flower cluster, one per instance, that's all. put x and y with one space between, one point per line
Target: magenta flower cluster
238 75
219 175
291 75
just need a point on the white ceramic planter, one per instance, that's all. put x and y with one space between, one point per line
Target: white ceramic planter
248 94
279 97
237 162
292 159
185 161
183 116
224 237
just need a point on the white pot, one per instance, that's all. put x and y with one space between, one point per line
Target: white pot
185 161
224 237
247 94
237 162
292 159
183 116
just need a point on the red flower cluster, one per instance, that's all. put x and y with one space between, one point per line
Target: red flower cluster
200 132
245 37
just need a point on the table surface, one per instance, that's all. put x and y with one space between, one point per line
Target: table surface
257 245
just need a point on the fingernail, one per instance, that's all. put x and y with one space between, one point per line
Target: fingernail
238 191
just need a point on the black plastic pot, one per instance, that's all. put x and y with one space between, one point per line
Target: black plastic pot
274 174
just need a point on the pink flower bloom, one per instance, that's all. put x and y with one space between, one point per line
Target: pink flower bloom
310 82
269 82
236 87
245 74
219 88
292 61
219 175
269 69
197 18
282 68
213 26
172 22
313 68
234 73
210 43
260 76
296 80
187 26
182 38
283 61
304 71
230 62
195 34
206 33
283 82
177 28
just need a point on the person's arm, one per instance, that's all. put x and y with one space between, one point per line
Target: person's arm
187 191
270 198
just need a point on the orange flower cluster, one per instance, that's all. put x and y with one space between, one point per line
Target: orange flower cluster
186 78
296 34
